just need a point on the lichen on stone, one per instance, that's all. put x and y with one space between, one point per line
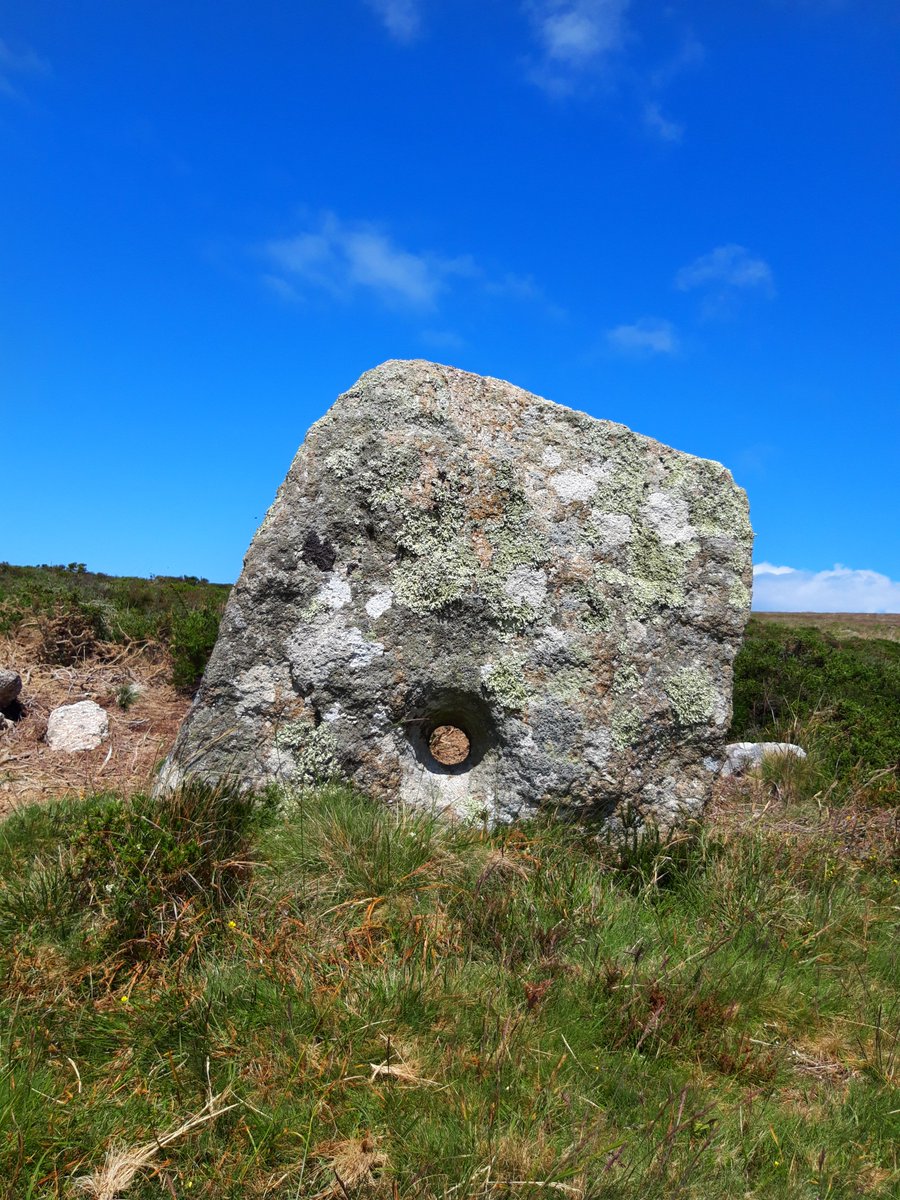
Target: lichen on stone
503 680
525 571
312 749
625 725
342 462
692 695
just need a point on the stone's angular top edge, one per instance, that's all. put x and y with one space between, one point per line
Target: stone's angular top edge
394 368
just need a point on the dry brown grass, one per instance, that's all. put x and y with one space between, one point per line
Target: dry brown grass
869 625
138 737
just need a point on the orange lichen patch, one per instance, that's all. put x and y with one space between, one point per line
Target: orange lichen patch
484 551
449 745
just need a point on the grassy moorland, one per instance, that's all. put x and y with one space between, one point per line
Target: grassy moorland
351 1001
68 615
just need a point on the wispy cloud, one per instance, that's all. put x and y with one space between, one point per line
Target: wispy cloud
575 37
647 336
402 18
661 125
842 589
725 274
344 259
730 266
341 258
16 66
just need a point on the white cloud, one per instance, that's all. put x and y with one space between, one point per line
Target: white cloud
842 589
15 65
575 36
648 335
401 18
725 276
662 126
730 266
344 259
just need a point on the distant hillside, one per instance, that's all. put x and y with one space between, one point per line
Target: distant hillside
70 611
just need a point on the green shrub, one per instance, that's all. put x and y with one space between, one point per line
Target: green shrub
193 635
840 696
131 868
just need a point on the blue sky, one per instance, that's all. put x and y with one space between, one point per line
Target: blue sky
214 218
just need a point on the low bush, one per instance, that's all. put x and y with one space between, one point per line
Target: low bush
839 697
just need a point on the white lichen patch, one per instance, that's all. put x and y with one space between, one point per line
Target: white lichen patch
611 529
667 514
597 747
334 594
572 486
255 691
527 585
379 603
693 695
360 650
551 458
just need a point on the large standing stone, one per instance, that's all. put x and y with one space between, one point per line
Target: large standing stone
448 550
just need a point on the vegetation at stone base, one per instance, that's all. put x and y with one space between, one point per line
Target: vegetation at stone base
837 696
72 613
402 1007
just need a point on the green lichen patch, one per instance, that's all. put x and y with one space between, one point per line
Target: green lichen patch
692 695
503 679
313 750
717 504
739 595
626 680
572 684
625 726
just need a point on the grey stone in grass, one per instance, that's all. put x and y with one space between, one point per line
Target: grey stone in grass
449 550
10 687
745 756
75 727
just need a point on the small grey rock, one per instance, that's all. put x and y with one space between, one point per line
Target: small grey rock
10 687
449 550
745 756
74 727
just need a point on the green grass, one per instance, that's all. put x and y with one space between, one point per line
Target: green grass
838 697
71 612
470 1014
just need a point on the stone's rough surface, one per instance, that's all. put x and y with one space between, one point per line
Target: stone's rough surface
10 687
450 550
81 726
744 756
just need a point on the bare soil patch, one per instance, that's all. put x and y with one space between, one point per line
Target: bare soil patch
140 735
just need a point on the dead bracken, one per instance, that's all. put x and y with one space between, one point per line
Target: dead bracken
449 746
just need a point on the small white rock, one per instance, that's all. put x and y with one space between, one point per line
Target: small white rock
744 756
81 726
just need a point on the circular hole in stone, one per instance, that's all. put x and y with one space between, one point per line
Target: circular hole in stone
449 745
